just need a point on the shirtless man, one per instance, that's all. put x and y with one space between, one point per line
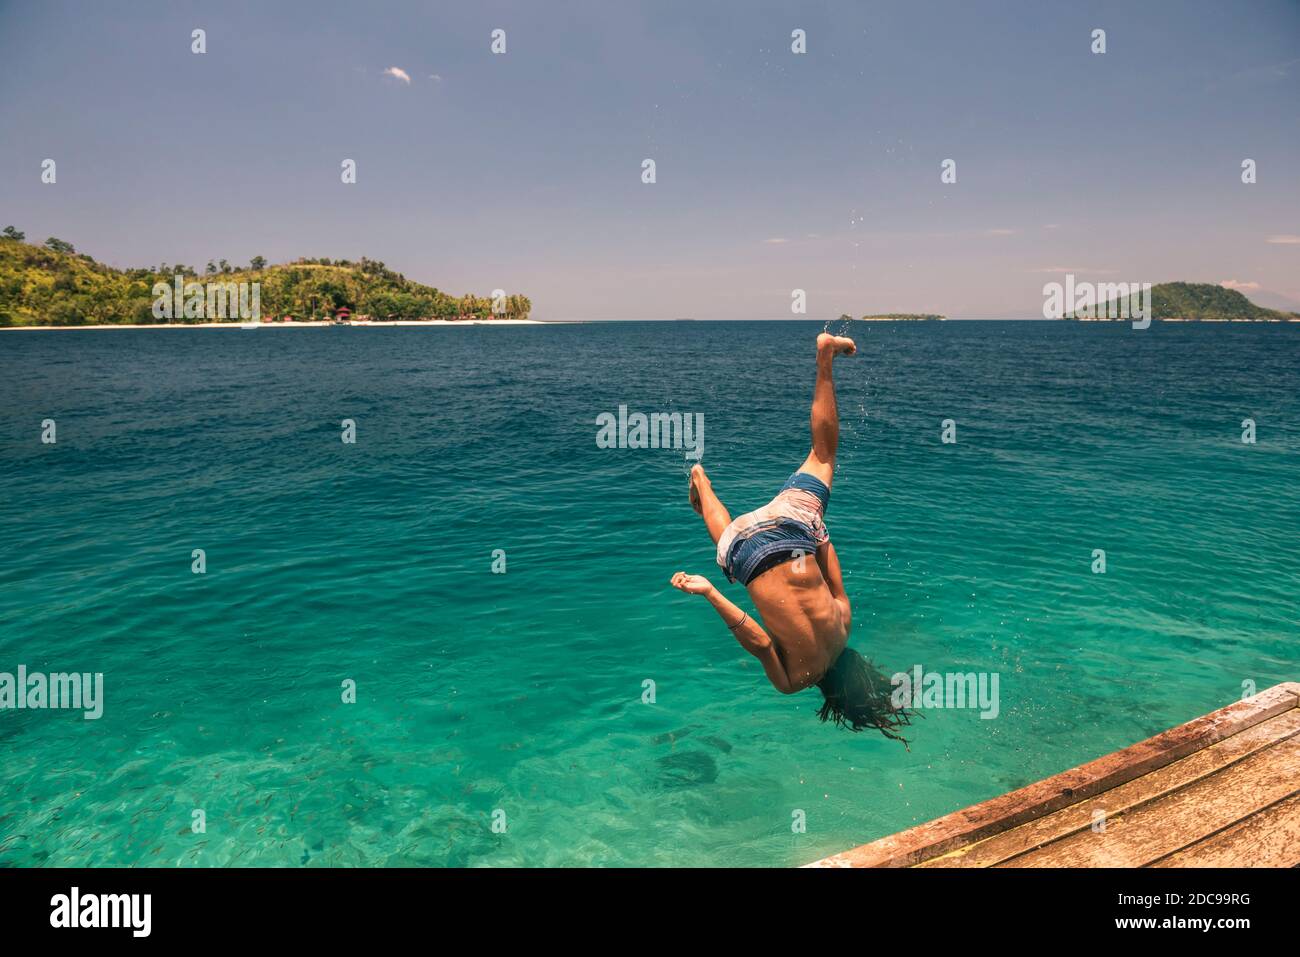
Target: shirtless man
806 614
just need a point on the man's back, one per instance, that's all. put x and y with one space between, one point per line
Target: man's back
808 626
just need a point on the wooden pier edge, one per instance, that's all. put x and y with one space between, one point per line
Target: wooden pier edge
980 821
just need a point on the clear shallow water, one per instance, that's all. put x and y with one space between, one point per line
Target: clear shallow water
522 692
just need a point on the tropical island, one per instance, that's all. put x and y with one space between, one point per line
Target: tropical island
1190 302
54 285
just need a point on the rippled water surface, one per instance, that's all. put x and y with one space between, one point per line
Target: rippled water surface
522 692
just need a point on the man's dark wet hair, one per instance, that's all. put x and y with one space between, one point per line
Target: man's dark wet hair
859 696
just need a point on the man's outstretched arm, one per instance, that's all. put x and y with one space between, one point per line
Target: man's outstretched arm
745 629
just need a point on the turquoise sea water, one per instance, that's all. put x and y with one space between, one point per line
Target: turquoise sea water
522 692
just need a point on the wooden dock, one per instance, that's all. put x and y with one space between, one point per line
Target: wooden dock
1222 790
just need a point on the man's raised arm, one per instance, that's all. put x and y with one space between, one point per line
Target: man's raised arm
745 629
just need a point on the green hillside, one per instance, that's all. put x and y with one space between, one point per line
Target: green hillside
1199 301
54 285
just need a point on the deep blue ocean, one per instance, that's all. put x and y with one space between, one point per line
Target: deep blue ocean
517 698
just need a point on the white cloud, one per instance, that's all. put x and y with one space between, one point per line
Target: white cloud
399 74
776 241
435 77
999 232
1234 284
1285 240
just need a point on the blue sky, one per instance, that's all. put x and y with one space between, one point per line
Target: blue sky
775 171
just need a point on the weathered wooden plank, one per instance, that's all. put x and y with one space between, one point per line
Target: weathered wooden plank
1176 820
1126 797
1270 838
1069 787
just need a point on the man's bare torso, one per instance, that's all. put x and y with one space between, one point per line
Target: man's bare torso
808 626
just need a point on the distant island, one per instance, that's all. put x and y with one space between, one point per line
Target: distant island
902 316
54 285
1192 302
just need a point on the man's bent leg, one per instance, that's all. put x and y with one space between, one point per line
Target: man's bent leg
715 514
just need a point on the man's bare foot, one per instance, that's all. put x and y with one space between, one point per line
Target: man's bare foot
697 475
835 345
